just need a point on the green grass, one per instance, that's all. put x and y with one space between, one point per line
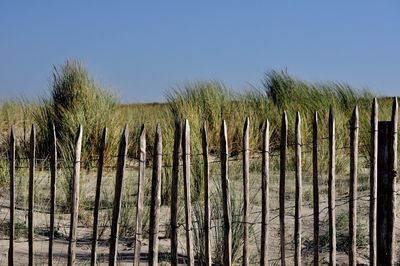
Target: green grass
208 101
75 99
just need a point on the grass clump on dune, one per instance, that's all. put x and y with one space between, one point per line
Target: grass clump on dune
75 100
212 101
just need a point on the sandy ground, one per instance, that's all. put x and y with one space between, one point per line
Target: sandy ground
125 245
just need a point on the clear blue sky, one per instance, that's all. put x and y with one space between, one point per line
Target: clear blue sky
143 49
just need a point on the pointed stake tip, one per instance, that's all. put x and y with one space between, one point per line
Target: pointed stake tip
267 122
395 102
355 110
143 129
284 118
246 123
33 129
187 126
331 113
12 133
158 129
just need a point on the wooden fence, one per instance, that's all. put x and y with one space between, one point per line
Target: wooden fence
383 173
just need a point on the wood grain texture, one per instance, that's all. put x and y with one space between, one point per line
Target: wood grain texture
11 234
299 193
332 189
373 184
246 198
140 198
75 198
187 188
155 198
265 196
119 178
100 164
354 128
207 207
282 181
315 189
32 166
226 197
175 192
53 191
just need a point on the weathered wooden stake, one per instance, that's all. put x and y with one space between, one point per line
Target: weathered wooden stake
226 197
246 155
298 201
315 189
283 152
121 161
100 164
386 208
75 198
188 206
53 178
353 187
373 184
332 189
12 197
385 216
155 198
207 221
32 163
265 196
393 151
175 192
140 198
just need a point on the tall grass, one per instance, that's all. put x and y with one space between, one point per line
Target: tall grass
74 100
212 101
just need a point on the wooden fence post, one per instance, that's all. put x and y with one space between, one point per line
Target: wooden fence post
265 196
373 184
283 152
53 178
332 189
207 223
121 161
226 197
188 206
246 154
175 192
75 198
100 164
155 198
393 151
315 189
32 162
386 209
385 217
12 197
140 197
299 201
353 187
